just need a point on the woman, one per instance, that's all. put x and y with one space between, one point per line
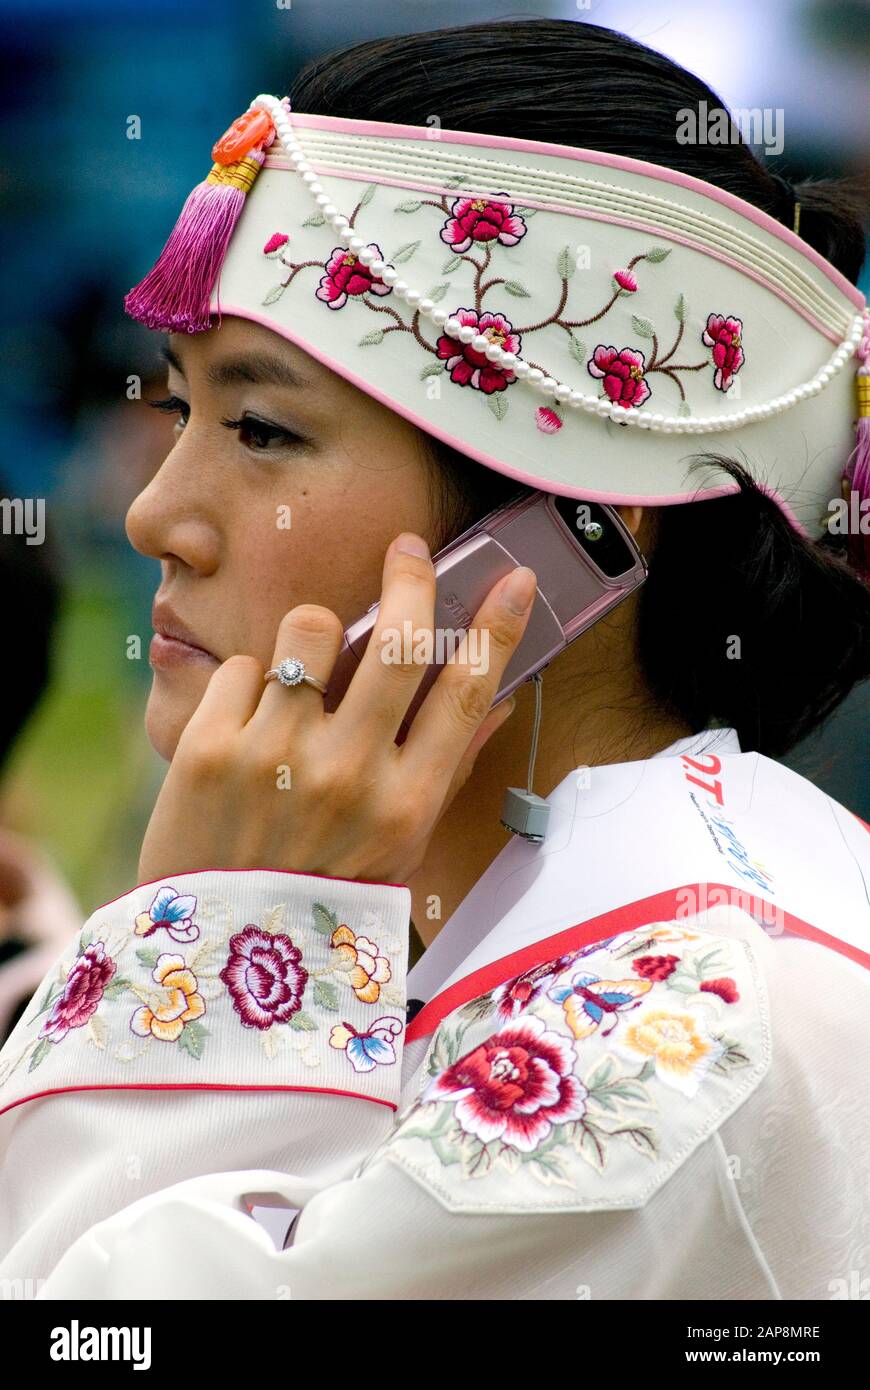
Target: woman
624 1080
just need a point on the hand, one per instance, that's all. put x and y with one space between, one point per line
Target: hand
358 805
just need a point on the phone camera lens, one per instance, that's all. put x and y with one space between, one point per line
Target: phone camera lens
593 531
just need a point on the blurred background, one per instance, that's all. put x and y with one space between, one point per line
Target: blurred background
87 210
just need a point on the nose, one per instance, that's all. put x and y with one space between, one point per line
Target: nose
169 520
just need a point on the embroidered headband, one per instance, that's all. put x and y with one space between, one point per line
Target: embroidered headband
583 322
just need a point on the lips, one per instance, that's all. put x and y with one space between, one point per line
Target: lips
167 624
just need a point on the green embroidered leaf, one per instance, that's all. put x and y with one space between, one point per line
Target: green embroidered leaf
325 921
192 1039
566 263
629 1090
548 1170
85 940
601 1074
579 350
274 293
498 405
47 1000
733 1056
641 1137
326 994
478 1008
642 327
148 956
40 1052
316 220
682 986
405 252
658 253
646 1071
588 1140
410 205
516 289
476 1158
433 369
438 292
603 1099
684 408
115 988
452 263
368 194
680 309
508 1157
370 339
454 181
524 212
303 1021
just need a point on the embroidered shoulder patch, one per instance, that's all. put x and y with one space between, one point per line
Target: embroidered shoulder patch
586 1082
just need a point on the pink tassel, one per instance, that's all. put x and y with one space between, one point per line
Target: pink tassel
856 474
175 296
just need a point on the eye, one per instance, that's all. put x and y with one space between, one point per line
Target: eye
173 405
262 435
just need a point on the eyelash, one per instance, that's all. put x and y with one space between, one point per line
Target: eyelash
250 424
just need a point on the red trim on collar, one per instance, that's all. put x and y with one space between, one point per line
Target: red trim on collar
660 907
192 1086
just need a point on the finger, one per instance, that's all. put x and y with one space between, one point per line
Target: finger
394 662
310 634
462 696
491 724
230 698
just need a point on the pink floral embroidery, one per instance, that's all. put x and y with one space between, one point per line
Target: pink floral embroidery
82 992
515 995
515 1086
466 365
655 967
346 275
625 280
547 420
264 976
724 987
622 373
482 220
724 336
275 242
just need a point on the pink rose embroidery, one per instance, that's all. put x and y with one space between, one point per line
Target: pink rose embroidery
724 987
275 242
724 336
515 1086
467 366
622 374
82 992
346 275
517 994
264 977
547 420
625 280
480 221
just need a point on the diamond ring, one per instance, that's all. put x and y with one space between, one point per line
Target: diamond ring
291 671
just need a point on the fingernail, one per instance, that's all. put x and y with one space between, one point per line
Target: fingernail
413 545
519 590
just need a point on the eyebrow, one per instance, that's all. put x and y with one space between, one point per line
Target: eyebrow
256 369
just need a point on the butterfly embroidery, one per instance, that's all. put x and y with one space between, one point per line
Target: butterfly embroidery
172 911
587 999
371 1049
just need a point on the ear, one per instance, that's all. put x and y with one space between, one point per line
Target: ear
632 516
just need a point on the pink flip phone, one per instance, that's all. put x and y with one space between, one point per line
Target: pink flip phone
586 562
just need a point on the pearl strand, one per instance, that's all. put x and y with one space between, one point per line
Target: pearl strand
548 386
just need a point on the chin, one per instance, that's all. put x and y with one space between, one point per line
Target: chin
171 703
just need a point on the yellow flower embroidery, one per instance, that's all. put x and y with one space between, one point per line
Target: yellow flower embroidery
182 1005
369 971
678 1044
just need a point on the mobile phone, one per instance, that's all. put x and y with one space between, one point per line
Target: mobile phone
586 562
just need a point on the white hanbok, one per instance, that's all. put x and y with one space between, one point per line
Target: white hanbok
640 1068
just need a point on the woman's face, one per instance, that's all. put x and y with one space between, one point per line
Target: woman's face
285 485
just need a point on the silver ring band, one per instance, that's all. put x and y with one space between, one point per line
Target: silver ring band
291 672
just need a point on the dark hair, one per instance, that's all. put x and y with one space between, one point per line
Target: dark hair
801 613
30 594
